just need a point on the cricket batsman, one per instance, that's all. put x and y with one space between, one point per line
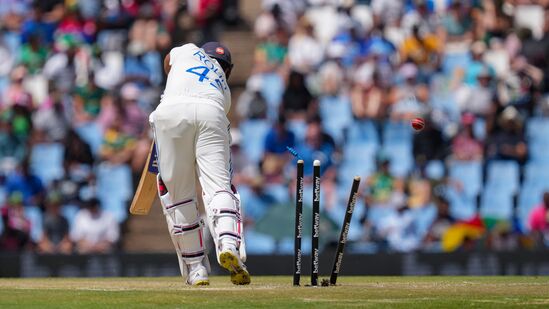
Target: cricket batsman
192 138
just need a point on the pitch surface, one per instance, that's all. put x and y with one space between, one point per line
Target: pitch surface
276 292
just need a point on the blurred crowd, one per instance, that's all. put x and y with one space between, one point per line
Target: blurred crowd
78 80
334 80
340 81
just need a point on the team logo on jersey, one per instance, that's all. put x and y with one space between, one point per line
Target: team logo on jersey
220 50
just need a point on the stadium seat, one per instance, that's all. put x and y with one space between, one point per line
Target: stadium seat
469 174
401 158
286 246
336 115
359 160
536 174
497 203
538 151
377 214
299 128
435 170
453 60
92 134
462 207
46 161
34 214
504 175
278 191
529 197
536 130
479 129
272 90
362 132
423 218
253 138
69 212
114 189
397 133
257 243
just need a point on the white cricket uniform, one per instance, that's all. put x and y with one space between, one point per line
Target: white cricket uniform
191 125
192 138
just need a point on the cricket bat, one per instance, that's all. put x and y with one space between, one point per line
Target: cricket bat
146 190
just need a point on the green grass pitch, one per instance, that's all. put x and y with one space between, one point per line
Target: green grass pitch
277 292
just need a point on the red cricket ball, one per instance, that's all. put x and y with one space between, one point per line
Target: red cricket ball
418 123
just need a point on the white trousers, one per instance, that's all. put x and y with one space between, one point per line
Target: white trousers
192 139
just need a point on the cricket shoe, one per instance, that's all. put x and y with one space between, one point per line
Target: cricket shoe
230 260
198 275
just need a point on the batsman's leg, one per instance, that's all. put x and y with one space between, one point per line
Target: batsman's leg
176 187
222 204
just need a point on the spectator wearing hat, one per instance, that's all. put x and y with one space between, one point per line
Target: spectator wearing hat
94 230
55 238
506 141
477 64
477 99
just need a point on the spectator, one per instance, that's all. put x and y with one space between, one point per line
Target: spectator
251 103
457 22
87 101
429 144
272 53
442 222
16 94
421 48
369 98
55 238
26 183
538 220
34 54
11 146
318 145
77 152
132 114
16 235
465 147
117 146
304 51
296 99
507 142
51 119
384 190
399 230
477 99
477 64
67 67
94 230
279 138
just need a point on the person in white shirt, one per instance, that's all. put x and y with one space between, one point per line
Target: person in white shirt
94 230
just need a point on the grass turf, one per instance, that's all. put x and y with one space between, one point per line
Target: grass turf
276 292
